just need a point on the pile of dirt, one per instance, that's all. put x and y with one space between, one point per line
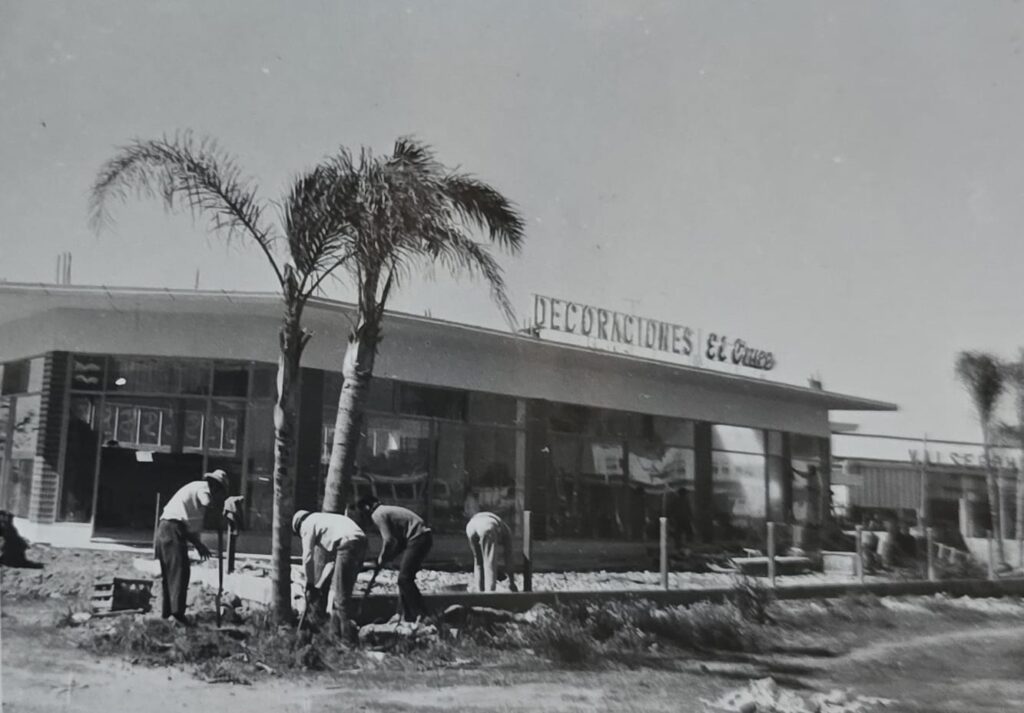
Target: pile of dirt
765 696
65 572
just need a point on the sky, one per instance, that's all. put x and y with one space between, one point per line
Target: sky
840 182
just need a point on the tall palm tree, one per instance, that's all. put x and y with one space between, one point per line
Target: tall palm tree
983 377
1014 372
405 211
302 251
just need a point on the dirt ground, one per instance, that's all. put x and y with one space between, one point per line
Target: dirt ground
940 658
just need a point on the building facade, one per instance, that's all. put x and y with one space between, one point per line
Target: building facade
940 482
110 399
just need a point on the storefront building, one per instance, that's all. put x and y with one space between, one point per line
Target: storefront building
939 482
111 399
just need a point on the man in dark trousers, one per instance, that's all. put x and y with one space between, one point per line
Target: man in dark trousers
181 523
341 538
404 533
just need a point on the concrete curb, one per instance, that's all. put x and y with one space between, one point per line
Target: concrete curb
382 607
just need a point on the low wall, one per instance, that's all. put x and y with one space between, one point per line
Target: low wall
382 607
978 546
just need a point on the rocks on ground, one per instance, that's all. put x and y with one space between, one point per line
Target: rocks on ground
766 696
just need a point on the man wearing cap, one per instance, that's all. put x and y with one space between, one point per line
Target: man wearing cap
181 522
342 539
484 531
404 533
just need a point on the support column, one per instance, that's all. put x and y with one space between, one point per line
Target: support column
309 434
703 504
45 491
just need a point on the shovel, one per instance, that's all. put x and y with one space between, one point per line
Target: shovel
220 570
321 583
369 588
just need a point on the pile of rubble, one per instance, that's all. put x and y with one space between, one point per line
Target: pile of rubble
765 696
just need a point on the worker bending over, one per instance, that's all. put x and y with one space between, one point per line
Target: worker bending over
484 531
181 523
342 539
404 533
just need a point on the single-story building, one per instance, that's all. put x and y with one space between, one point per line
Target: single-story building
112 398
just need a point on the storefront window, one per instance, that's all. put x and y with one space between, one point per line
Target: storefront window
394 461
738 482
24 438
80 458
259 487
806 466
414 400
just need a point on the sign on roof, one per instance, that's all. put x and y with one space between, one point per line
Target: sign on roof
633 334
917 452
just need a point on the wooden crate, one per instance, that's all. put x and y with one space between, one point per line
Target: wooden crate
119 594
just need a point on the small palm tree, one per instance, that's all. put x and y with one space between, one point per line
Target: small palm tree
302 252
403 212
982 376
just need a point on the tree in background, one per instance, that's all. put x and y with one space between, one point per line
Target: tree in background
302 251
1014 373
983 377
403 213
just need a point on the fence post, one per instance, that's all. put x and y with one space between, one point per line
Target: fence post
156 522
527 553
771 553
991 555
663 543
860 553
929 543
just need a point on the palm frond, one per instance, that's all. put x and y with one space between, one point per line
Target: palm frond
486 209
982 376
458 253
182 172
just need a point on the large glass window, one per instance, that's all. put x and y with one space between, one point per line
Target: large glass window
80 458
23 433
806 459
259 486
738 482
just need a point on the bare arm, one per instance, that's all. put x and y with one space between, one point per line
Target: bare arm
387 544
506 535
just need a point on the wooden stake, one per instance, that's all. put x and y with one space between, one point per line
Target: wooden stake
663 543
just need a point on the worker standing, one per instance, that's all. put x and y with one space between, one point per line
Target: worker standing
181 523
484 530
342 539
404 533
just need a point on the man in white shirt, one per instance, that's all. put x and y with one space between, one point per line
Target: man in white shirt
342 539
484 530
181 522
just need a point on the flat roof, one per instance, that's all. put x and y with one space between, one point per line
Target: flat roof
19 301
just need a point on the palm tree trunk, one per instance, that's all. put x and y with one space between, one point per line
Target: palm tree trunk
994 501
357 372
292 341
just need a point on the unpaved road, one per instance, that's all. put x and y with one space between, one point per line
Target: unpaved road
954 672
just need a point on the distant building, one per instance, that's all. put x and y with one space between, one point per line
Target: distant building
877 476
114 397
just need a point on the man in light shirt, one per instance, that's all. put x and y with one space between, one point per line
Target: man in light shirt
181 523
342 539
484 531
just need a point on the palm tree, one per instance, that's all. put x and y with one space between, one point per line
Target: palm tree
983 377
1014 372
405 211
302 251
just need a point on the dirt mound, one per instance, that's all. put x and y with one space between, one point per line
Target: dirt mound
65 572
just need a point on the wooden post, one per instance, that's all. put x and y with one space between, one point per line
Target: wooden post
527 553
991 555
220 569
232 543
156 522
929 543
663 543
860 553
771 553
